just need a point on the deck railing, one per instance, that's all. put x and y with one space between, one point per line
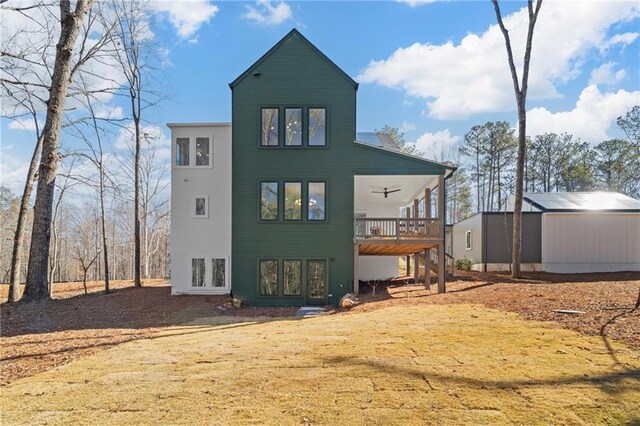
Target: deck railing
397 228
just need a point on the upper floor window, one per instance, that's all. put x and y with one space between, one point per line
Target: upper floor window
198 154
182 151
269 127
293 201
202 151
468 240
316 201
293 126
269 201
317 126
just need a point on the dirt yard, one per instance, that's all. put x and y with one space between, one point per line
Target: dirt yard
38 337
420 364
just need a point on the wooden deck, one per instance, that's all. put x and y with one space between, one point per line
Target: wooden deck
393 249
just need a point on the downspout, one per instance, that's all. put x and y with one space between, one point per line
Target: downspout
484 241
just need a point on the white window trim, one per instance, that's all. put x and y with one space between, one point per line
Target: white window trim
192 152
206 207
469 246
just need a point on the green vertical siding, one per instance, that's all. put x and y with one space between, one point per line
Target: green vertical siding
295 75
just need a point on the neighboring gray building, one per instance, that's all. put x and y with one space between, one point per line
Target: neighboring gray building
561 232
485 239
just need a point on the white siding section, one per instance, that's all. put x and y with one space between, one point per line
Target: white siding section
590 242
206 237
378 267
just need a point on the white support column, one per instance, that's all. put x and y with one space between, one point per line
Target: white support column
441 249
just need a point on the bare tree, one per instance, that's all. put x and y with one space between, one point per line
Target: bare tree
70 24
520 89
134 52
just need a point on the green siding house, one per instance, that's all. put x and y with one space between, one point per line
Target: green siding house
306 211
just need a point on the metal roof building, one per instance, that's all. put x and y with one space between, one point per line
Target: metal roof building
569 232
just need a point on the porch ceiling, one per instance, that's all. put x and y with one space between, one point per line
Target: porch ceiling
411 186
392 249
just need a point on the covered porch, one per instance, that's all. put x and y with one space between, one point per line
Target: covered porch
399 216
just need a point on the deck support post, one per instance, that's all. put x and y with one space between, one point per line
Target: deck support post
427 269
356 275
408 260
416 268
441 249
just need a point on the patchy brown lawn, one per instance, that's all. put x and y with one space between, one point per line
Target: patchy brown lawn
38 337
603 297
420 364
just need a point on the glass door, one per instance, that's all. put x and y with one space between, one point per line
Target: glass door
316 281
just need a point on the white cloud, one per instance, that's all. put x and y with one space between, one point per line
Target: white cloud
187 16
267 14
624 39
590 120
23 124
109 112
415 3
459 80
407 127
13 171
153 138
606 75
439 145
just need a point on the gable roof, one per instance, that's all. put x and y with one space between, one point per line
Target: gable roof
447 168
377 139
291 34
582 201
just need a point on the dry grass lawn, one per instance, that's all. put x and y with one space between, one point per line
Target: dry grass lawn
420 364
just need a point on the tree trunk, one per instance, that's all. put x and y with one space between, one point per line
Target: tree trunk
70 23
18 239
104 229
521 98
136 231
517 207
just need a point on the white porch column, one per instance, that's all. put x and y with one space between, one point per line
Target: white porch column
441 250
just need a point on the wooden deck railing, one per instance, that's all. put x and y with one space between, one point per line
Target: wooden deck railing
397 228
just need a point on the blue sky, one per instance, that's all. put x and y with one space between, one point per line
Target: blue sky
433 69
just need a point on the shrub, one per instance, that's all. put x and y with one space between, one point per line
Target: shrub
463 264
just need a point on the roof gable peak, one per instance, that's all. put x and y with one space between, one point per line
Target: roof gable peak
291 34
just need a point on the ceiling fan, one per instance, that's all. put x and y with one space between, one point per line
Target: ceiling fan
386 192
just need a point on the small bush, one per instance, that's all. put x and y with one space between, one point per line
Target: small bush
463 264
